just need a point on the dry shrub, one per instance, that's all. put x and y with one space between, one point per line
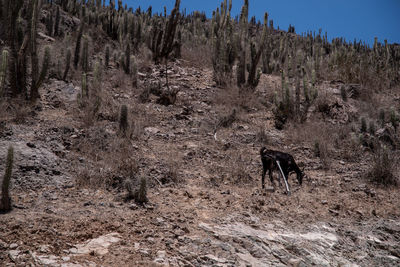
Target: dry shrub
261 136
94 177
113 160
233 97
319 136
238 169
322 103
383 168
119 79
171 174
322 151
137 192
198 56
139 120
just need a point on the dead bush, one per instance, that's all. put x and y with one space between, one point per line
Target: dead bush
319 136
196 56
322 104
140 194
383 168
172 173
321 150
233 97
261 136
238 169
94 177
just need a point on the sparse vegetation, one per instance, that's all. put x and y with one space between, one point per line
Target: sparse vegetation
383 168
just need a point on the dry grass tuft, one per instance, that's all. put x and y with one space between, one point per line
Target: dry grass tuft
383 168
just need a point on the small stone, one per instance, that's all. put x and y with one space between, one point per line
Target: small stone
324 202
13 254
31 145
44 249
133 206
13 246
151 130
160 258
334 212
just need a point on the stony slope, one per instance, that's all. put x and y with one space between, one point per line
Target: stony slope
206 206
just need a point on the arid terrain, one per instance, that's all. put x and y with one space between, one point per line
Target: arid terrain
72 168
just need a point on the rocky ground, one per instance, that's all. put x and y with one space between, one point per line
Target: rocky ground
206 206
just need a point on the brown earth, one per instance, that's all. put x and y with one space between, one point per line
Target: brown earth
206 206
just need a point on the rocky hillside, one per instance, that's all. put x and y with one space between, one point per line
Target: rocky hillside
176 181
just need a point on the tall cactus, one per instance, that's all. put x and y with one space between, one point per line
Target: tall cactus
134 72
85 54
57 22
107 56
67 64
3 71
252 80
5 204
45 66
162 41
78 45
34 57
223 45
85 90
243 36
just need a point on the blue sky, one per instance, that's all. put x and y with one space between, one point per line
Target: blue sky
351 19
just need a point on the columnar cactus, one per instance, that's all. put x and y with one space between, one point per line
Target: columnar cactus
127 61
162 41
123 120
223 43
85 54
85 90
134 72
3 71
78 45
34 57
45 66
243 36
5 204
67 64
107 56
57 22
252 80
